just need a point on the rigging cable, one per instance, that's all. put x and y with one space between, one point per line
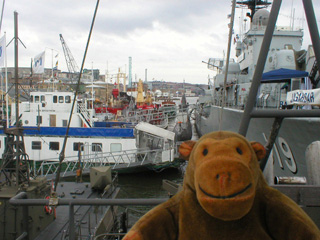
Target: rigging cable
62 153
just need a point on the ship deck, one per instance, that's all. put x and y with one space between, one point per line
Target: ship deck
88 217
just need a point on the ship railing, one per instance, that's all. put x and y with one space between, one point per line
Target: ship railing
155 118
121 159
303 195
84 112
21 199
170 111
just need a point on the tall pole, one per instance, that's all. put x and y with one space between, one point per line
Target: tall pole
118 80
107 78
16 92
6 79
146 76
92 96
130 72
16 67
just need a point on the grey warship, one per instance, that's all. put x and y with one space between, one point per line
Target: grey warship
296 69
269 94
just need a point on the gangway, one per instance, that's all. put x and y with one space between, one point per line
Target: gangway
120 161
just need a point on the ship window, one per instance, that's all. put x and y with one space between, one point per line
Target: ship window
60 99
36 145
36 99
54 145
115 147
43 98
39 120
64 123
55 99
288 46
77 145
68 99
31 99
96 147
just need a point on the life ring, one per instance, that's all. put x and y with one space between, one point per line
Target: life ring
48 209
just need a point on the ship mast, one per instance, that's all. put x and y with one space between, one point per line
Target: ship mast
15 164
253 5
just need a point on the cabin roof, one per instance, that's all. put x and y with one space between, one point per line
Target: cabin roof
154 130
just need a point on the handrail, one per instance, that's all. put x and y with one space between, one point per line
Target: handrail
19 200
270 113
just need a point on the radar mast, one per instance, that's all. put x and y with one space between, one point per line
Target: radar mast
253 5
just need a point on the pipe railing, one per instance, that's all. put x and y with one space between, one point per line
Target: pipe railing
21 200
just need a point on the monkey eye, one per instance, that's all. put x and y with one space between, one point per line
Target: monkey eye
205 152
239 150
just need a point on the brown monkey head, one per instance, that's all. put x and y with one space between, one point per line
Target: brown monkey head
223 170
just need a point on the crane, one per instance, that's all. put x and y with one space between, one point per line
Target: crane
71 63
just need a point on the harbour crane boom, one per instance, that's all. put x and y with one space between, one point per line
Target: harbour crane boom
71 63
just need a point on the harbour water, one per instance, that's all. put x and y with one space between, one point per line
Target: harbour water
149 184
145 185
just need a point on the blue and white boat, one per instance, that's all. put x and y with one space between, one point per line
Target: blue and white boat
122 144
45 119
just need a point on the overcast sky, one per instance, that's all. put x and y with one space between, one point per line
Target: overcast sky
170 38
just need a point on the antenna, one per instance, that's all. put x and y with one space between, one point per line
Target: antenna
293 19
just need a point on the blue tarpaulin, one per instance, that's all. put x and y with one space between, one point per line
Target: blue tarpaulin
281 75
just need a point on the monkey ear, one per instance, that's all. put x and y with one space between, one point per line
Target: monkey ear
186 148
259 149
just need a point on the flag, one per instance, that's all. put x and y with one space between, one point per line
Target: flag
2 50
38 66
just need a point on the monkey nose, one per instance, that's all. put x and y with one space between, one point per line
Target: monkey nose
223 178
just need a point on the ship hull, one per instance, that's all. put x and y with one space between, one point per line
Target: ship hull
288 154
